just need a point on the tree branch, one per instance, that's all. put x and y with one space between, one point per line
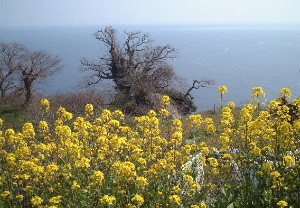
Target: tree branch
197 84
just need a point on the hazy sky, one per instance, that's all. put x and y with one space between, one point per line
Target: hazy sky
79 12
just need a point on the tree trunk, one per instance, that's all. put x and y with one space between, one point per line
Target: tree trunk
28 91
2 92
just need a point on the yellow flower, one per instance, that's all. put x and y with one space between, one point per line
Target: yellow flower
205 150
55 200
177 135
141 182
223 90
289 160
118 115
282 204
89 110
43 127
213 162
64 115
107 199
165 100
28 188
231 105
36 201
196 119
113 124
203 205
9 133
164 113
5 194
20 197
215 171
97 178
152 113
46 104
52 168
28 130
267 167
124 169
210 125
227 157
177 190
286 93
141 160
1 122
75 185
83 163
175 199
177 123
275 174
138 199
258 91
61 110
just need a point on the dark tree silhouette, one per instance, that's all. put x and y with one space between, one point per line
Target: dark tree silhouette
35 66
138 69
21 68
197 84
9 60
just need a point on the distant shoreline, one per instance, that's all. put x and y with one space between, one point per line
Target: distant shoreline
169 26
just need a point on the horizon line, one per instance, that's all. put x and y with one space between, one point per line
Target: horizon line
162 24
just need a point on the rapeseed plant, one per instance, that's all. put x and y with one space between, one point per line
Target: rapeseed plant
222 90
248 158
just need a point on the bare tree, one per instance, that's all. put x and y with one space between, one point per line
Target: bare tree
136 58
35 66
197 84
21 68
137 68
9 61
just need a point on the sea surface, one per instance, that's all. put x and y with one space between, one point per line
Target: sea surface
239 57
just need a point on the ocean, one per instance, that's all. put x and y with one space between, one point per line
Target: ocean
239 57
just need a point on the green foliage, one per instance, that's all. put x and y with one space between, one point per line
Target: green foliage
13 115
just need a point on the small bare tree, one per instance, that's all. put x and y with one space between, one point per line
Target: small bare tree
9 61
137 68
36 66
197 84
21 68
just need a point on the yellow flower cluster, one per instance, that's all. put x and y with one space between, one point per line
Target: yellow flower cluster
138 199
56 200
154 160
282 204
175 200
286 93
36 201
106 199
223 90
257 92
165 100
45 104
89 110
